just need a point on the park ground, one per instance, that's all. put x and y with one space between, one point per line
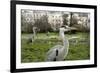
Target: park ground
79 46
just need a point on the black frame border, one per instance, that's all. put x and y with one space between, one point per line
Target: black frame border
13 35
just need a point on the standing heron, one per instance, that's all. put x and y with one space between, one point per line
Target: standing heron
59 52
35 29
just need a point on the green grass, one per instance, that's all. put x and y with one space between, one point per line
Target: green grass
36 51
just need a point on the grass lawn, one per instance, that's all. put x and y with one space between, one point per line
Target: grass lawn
79 48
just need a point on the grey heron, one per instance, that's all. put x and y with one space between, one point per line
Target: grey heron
34 33
59 52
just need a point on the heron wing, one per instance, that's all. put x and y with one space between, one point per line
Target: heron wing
53 49
51 54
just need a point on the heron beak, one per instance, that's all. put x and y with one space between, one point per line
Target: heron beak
68 29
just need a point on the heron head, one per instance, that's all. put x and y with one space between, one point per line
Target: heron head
65 28
36 29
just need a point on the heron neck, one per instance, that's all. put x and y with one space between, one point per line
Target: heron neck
64 39
65 42
65 45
